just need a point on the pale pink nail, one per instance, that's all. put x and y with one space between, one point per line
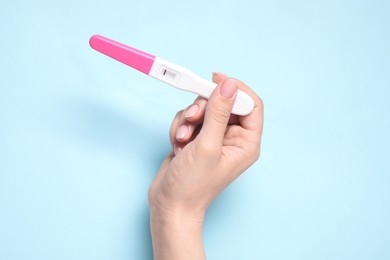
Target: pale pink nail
192 111
182 132
217 74
228 88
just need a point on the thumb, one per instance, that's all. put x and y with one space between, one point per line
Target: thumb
218 110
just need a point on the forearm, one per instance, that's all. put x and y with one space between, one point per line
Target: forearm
176 235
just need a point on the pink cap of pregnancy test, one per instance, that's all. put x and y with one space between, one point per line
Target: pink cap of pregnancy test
136 59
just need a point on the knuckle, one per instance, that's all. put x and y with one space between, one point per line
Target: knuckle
208 149
256 155
260 103
219 113
178 114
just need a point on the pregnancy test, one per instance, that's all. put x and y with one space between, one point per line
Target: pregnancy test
166 71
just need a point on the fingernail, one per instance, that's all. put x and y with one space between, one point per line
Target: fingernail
182 132
217 74
228 88
192 111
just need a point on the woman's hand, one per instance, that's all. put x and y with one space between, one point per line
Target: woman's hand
211 148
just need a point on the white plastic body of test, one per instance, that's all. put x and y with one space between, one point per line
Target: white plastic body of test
182 78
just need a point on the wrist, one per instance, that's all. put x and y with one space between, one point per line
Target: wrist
176 234
176 217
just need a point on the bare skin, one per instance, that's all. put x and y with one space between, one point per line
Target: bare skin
210 149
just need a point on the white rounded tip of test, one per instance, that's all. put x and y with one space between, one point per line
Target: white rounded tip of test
243 105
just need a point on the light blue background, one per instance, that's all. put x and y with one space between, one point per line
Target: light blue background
81 136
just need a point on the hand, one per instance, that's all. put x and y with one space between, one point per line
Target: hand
211 148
